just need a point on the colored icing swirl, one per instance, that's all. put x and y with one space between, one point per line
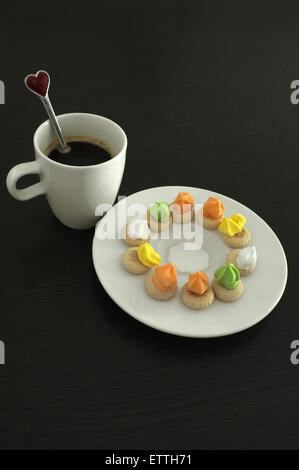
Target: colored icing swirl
232 225
198 283
160 212
148 256
227 276
165 277
213 208
247 257
138 229
183 202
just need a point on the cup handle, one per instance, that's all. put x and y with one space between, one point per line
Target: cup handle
16 173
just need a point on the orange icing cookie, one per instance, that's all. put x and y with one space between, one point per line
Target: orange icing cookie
185 202
213 208
165 277
198 283
197 293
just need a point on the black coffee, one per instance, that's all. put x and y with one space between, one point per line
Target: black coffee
83 152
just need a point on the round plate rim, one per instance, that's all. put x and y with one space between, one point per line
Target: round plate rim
201 335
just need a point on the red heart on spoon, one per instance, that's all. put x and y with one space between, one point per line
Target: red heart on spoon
38 83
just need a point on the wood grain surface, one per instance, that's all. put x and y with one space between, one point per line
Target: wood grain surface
202 90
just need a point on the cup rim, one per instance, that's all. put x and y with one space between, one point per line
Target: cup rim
74 167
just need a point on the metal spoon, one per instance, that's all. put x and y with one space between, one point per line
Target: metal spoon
39 85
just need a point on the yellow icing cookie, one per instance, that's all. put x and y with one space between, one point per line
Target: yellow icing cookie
132 263
148 256
239 240
230 226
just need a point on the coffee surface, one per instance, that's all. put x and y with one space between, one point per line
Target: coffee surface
85 151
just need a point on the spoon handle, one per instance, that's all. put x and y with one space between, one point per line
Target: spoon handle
53 119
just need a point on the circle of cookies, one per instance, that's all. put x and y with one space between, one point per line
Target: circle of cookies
192 300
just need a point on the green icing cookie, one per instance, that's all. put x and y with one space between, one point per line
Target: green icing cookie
227 276
160 212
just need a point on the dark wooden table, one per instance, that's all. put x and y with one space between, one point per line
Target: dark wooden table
203 92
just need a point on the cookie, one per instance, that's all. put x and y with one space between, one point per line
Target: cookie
195 301
179 218
156 293
132 263
239 240
232 258
182 208
212 213
227 295
211 224
135 241
156 226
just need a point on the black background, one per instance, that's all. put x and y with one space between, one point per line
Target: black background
202 90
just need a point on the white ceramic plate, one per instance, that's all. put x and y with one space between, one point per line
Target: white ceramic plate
263 288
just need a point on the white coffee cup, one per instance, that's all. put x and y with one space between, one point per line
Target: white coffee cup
74 192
